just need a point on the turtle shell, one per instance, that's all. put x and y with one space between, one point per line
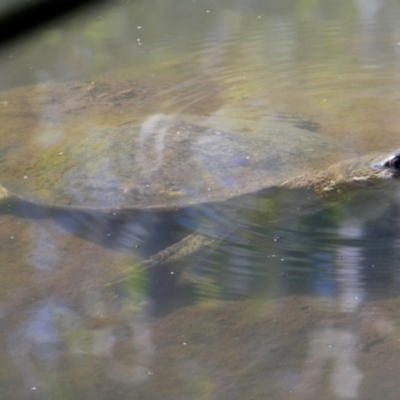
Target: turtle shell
162 163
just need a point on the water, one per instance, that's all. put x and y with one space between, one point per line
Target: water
291 297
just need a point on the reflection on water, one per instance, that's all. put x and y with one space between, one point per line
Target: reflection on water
276 294
309 300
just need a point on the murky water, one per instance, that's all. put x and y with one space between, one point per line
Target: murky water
284 293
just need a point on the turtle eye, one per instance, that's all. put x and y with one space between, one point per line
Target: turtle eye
393 163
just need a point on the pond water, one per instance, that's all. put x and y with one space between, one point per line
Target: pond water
282 293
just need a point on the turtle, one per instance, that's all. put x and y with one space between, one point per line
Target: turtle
168 162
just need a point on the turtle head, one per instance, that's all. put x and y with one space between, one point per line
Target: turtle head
373 170
388 165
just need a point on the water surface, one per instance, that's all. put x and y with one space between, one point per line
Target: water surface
294 297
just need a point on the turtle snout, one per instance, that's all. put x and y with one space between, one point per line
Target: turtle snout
393 163
389 164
